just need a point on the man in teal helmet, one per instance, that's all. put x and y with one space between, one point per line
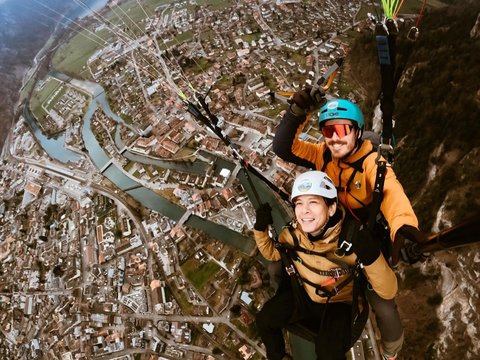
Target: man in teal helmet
350 162
340 117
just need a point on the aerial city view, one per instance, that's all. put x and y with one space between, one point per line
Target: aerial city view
139 150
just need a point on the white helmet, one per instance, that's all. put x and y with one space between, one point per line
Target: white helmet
314 183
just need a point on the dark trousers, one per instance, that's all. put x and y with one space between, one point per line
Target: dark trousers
333 336
388 321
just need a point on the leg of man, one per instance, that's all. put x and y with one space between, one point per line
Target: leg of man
273 317
334 333
388 322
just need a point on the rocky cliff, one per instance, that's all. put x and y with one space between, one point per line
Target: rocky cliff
438 131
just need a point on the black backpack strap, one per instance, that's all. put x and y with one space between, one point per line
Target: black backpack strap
327 157
359 317
322 291
349 231
287 261
296 280
377 195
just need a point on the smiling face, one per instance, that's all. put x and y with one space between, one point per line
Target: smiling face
341 146
312 212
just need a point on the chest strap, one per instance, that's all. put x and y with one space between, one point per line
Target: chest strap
335 273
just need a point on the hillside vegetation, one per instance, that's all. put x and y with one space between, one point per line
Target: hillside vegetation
438 135
437 110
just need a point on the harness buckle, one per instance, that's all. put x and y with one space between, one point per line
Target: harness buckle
385 150
345 246
413 33
337 272
290 270
343 249
330 293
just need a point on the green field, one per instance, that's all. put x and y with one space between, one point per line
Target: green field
72 56
54 99
131 14
250 37
178 39
199 276
215 4
39 97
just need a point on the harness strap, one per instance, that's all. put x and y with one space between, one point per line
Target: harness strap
359 318
292 250
357 166
377 194
334 273
385 35
288 264
326 293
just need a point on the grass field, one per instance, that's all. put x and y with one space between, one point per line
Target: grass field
199 275
39 97
215 4
57 95
183 302
72 56
131 11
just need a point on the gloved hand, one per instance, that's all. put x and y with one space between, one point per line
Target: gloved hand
366 247
263 217
307 100
405 242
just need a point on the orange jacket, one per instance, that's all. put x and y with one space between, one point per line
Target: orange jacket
395 206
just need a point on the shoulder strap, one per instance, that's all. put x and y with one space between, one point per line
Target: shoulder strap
377 194
359 317
347 235
327 157
357 166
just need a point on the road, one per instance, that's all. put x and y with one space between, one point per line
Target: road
197 319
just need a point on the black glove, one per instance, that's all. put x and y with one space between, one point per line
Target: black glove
405 246
264 217
307 100
366 247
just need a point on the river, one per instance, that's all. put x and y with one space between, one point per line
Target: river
55 148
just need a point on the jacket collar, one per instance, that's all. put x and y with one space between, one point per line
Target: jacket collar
365 148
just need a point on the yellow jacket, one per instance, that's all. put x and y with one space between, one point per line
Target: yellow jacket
379 274
395 206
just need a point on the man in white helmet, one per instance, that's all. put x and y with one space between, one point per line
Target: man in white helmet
308 250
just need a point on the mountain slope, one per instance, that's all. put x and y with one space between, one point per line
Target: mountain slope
438 132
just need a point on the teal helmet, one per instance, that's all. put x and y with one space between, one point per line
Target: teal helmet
341 109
